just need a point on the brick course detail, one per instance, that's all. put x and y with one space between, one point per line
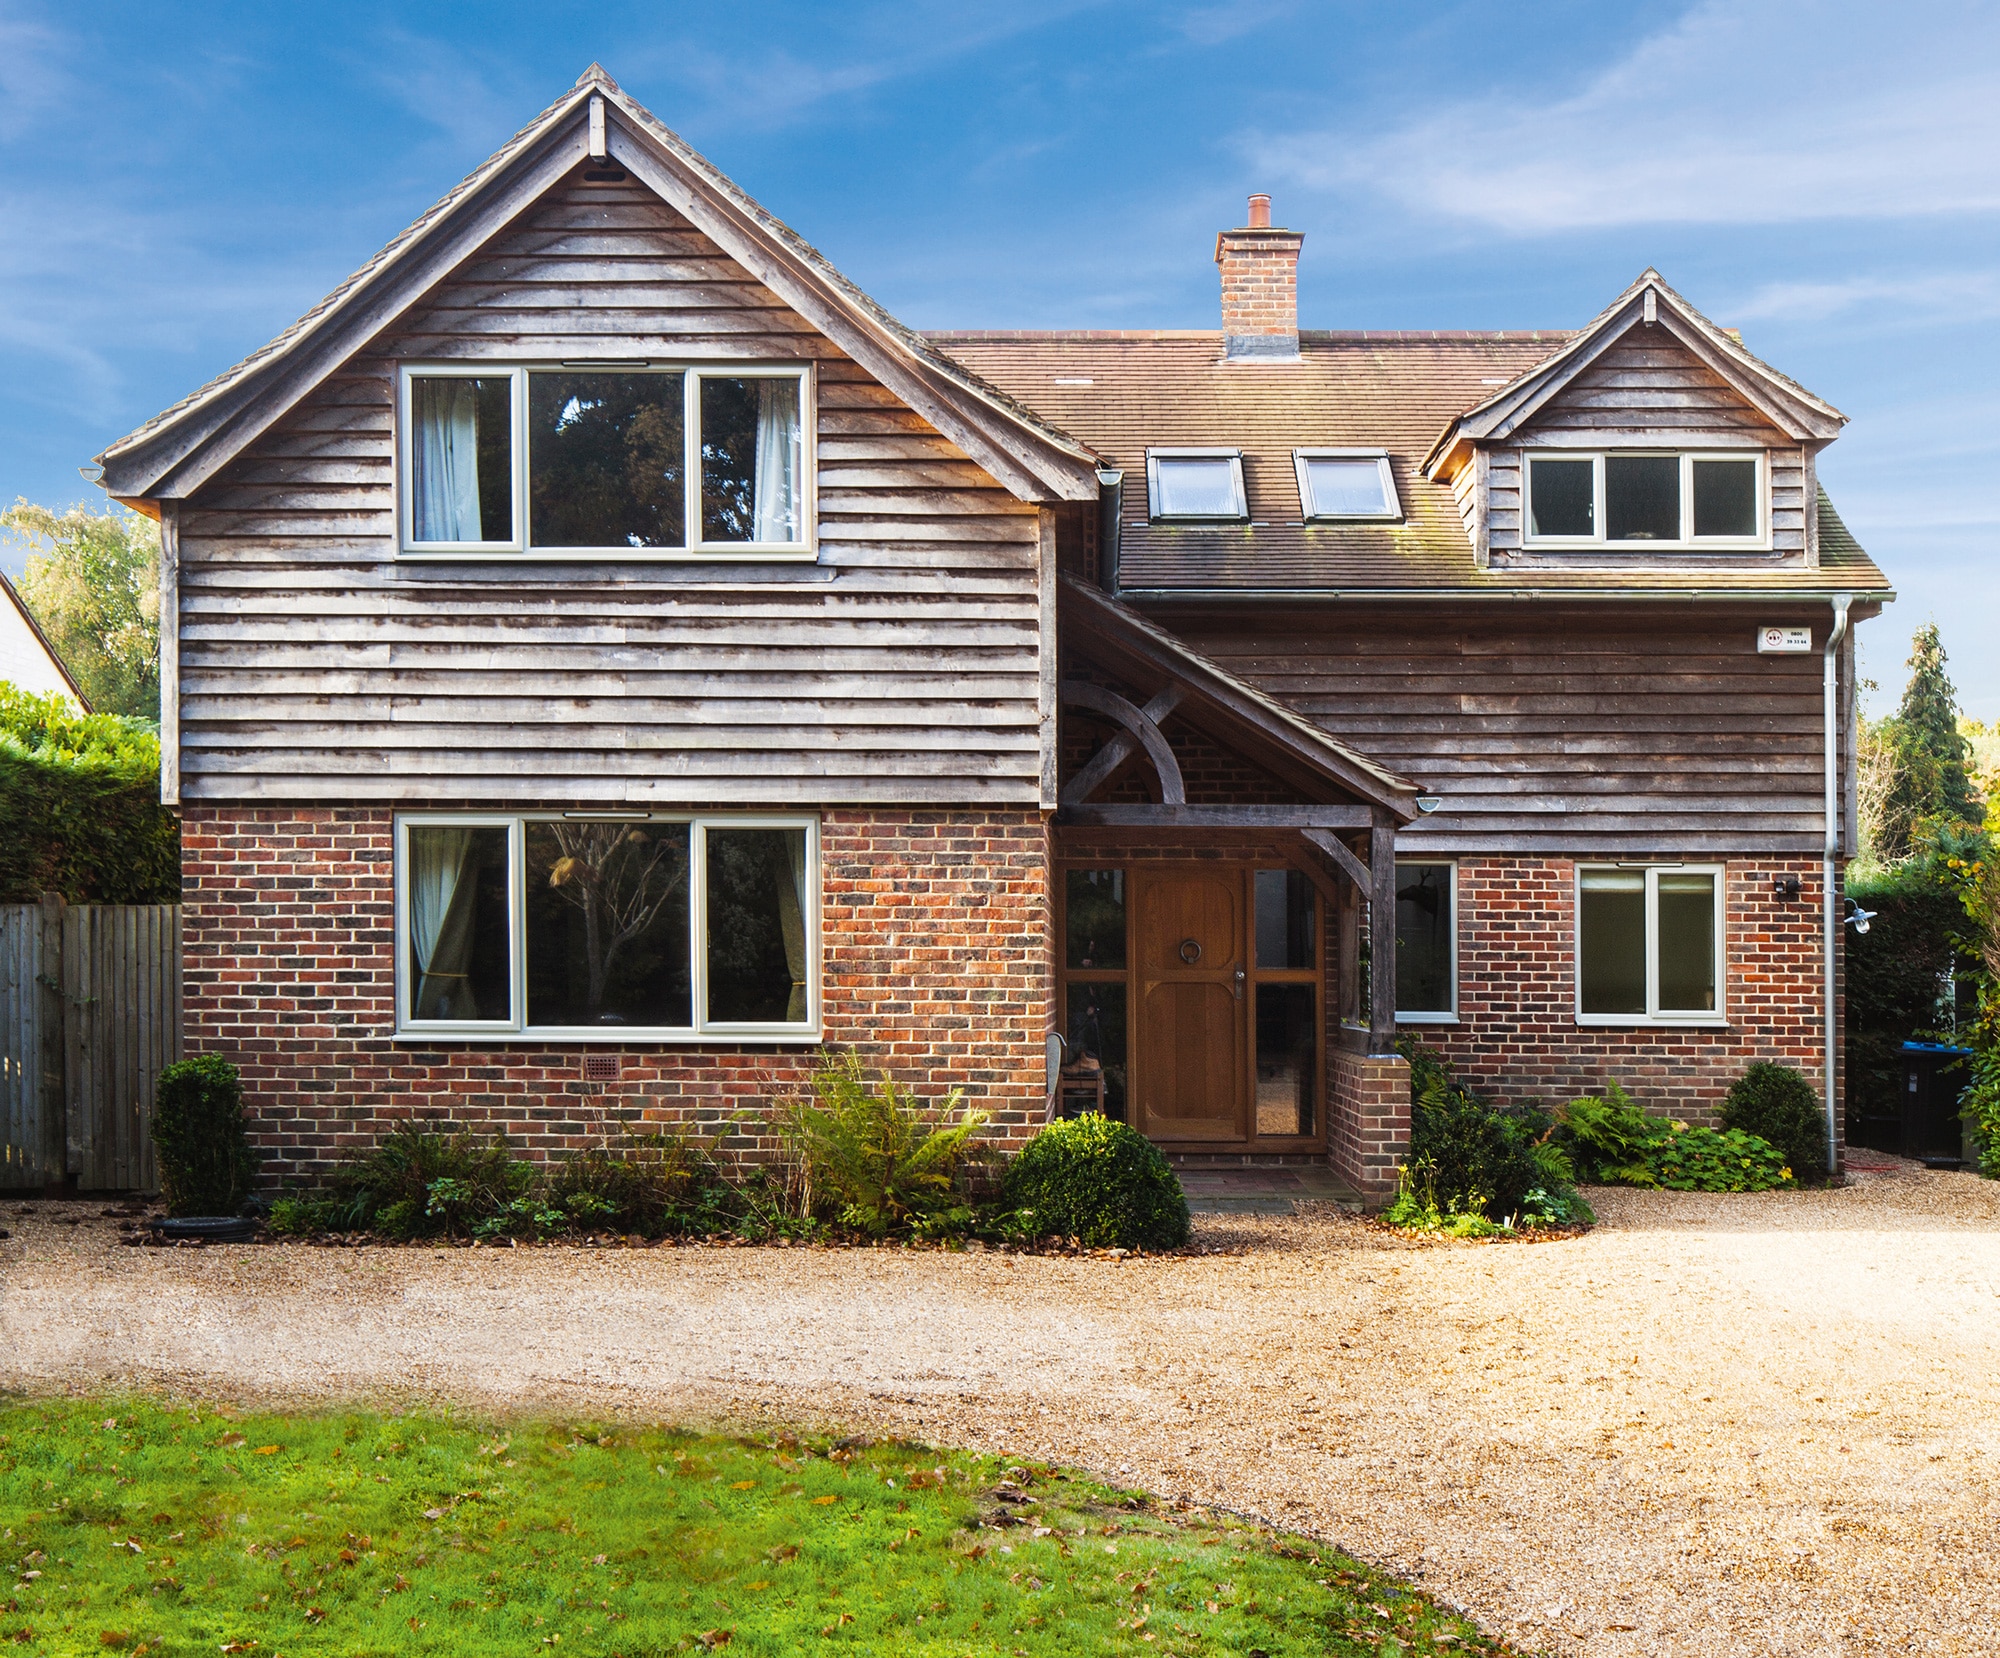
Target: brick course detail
935 964
1518 1040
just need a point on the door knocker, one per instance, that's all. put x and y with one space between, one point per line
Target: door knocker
1190 951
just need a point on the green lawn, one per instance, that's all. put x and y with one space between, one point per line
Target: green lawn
131 1526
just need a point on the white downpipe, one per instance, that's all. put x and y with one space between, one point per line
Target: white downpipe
1829 875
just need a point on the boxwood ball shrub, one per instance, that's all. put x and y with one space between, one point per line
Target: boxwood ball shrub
1775 1103
201 1137
1098 1181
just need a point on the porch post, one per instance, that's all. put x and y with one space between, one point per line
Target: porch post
1382 934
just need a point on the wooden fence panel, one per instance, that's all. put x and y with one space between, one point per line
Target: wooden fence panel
90 1012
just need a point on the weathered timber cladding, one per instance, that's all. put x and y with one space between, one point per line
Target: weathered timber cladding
1645 391
1582 730
901 666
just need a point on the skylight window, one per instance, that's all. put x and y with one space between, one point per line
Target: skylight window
1197 485
1346 484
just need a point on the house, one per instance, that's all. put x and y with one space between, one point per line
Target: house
28 661
610 659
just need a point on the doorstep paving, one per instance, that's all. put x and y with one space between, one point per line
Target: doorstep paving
1263 1191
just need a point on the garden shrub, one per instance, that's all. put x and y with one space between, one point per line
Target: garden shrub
1776 1103
1471 1158
1980 1107
80 796
877 1159
1613 1142
1896 974
1098 1181
416 1184
201 1137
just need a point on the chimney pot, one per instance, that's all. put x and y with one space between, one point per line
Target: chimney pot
1260 288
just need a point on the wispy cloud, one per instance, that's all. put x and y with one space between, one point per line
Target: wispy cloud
446 87
1926 296
33 75
1739 113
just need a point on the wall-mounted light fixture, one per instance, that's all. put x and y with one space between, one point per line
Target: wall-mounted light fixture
1858 918
1429 803
1785 888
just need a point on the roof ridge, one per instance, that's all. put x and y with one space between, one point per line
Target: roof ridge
1003 336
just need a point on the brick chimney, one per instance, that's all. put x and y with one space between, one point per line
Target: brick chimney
1260 288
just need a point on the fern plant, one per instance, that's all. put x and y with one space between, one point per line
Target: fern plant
873 1153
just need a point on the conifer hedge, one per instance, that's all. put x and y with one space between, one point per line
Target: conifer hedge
80 806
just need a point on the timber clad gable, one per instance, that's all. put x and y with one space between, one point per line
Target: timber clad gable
317 664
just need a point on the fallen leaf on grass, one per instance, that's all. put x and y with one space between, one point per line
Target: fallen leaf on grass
744 1485
713 1638
265 1451
784 1551
315 1614
433 1514
821 1502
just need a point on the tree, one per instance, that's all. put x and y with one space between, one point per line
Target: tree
93 583
1930 788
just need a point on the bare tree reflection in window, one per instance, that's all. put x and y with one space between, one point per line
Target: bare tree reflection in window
619 877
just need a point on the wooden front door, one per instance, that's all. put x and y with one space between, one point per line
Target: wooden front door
1189 1044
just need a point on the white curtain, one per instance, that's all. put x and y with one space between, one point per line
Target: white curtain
441 922
776 507
792 924
446 455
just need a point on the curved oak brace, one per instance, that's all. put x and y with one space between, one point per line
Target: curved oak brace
1143 725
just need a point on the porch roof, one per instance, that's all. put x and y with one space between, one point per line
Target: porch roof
1119 639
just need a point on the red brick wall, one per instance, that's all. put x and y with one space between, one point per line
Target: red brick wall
1518 1039
1367 1120
936 966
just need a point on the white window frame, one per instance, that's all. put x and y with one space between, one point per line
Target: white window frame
1233 456
1449 1016
1392 514
692 374
1654 1014
516 1028
1599 541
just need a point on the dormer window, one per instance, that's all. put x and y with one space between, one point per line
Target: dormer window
1639 502
1196 485
606 460
1344 484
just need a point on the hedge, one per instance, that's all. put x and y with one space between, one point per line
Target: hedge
80 798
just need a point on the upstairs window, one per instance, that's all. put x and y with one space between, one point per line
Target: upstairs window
1345 484
1634 502
1196 485
619 461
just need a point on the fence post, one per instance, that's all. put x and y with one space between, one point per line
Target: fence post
50 1046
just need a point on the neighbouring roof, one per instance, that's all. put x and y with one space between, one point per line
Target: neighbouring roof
27 660
1123 392
177 449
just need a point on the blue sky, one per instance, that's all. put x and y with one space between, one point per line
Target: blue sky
178 182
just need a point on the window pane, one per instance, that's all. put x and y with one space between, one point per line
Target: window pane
605 460
1560 497
1196 487
1423 938
1687 943
607 916
1345 488
1613 965
1642 497
758 903
1284 919
1094 918
1725 497
1287 1054
455 909
1096 1033
750 460
461 458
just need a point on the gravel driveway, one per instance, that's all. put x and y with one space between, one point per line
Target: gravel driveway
1715 1425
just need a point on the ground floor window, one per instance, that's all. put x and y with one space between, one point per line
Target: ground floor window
609 925
1649 944
1426 942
